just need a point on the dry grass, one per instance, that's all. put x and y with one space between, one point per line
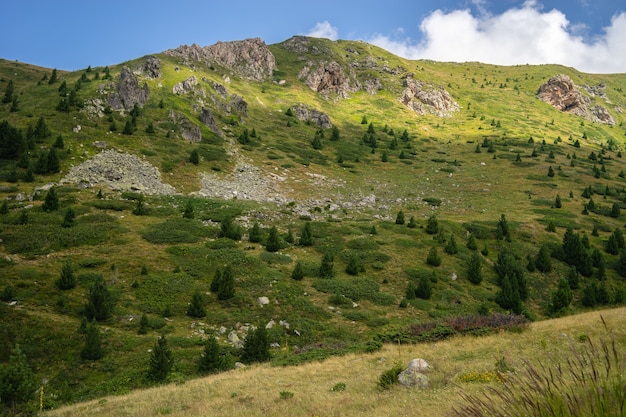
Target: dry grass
256 390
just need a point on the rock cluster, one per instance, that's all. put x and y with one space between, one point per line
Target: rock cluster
302 112
325 78
249 58
152 67
414 374
118 171
561 93
188 130
185 86
126 92
425 98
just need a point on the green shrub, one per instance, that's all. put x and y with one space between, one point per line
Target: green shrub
176 230
389 378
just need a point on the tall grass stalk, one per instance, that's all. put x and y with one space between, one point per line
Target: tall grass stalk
590 382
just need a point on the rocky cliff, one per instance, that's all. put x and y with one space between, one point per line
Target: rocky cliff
561 93
426 98
249 58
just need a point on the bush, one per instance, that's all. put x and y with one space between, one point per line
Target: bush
389 378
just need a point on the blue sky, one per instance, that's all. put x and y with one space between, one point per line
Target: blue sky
589 35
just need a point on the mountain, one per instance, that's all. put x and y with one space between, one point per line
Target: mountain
407 179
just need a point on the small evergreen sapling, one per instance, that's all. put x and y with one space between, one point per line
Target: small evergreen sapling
161 361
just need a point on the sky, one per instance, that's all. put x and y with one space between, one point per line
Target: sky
589 35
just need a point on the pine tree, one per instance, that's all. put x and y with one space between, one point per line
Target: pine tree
53 161
17 381
67 280
557 202
334 136
255 235
273 241
23 219
400 217
412 224
229 229
53 77
217 281
8 93
450 247
543 261
298 272
212 360
256 347
51 202
432 225
68 217
161 361
144 324
140 208
615 210
99 303
471 243
573 279
509 298
4 208
188 212
424 288
289 237
226 289
353 265
128 128
410 291
326 269
433 257
92 350
196 306
194 157
502 229
561 298
316 143
306 235
474 268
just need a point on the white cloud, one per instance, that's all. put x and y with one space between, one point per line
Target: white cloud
525 35
324 30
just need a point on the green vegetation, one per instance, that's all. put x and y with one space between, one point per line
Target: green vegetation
484 235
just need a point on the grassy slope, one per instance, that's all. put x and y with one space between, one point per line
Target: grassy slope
255 391
473 197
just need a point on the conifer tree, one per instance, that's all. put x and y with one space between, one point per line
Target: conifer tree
92 350
273 240
450 247
144 324
474 268
298 272
557 202
433 257
229 229
353 265
51 202
561 298
194 157
573 279
471 243
53 161
4 208
67 280
140 208
334 136
188 212
289 236
306 235
424 288
226 289
17 381
509 298
196 306
502 229
212 359
53 77
410 291
68 217
432 225
326 269
412 224
256 347
99 303
217 280
8 93
161 361
400 217
543 261
255 235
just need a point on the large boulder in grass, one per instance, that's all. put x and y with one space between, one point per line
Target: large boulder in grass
414 374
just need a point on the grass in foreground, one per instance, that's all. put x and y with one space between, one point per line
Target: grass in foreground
310 389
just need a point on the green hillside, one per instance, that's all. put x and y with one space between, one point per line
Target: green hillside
504 189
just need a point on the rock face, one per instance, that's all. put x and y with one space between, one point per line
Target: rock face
127 93
249 58
152 67
185 86
207 118
118 171
425 98
302 112
188 130
325 78
561 93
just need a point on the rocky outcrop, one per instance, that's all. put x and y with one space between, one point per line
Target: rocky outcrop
562 94
126 92
414 374
250 58
118 171
239 104
426 98
152 67
302 112
206 117
185 86
188 130
325 78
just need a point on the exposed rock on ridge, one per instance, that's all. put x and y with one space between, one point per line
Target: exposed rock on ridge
326 77
124 94
302 112
561 93
119 171
249 58
426 98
